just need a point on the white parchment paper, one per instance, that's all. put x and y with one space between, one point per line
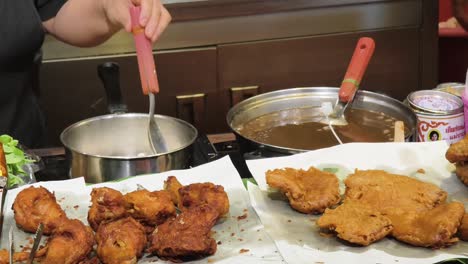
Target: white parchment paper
233 234
297 235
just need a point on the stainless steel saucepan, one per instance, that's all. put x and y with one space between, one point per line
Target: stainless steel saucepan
115 146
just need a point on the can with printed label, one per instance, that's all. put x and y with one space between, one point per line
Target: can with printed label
440 115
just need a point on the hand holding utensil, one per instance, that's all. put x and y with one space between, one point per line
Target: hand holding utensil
148 77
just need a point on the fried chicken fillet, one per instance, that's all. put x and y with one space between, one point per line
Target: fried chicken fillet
458 153
121 241
197 194
416 209
356 223
187 236
392 193
70 243
37 205
106 205
463 228
150 208
308 191
434 228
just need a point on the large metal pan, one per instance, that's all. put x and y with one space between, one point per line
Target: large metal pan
310 98
116 146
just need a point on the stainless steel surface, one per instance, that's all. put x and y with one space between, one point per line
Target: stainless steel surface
11 244
110 147
337 117
314 21
36 242
305 103
156 139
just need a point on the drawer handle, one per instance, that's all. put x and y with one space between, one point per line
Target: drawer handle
238 94
191 108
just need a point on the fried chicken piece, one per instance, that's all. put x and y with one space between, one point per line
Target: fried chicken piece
3 164
121 241
106 205
356 223
187 236
463 228
458 151
416 209
310 191
37 205
392 193
17 256
172 185
150 208
462 171
70 243
435 228
196 194
4 256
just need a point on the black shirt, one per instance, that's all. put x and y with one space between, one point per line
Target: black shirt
21 38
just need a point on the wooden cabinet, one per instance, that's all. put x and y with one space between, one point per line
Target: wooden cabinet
208 61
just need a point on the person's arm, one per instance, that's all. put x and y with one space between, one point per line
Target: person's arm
459 12
87 23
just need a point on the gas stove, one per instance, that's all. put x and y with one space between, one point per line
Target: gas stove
53 164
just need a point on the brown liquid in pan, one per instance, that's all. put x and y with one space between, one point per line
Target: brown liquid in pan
363 126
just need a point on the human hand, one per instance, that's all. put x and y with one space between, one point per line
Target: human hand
154 16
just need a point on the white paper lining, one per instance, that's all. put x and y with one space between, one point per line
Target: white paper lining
297 235
234 234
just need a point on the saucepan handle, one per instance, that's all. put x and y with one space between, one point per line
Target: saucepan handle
356 69
109 74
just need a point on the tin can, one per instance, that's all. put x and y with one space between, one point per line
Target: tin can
451 87
440 115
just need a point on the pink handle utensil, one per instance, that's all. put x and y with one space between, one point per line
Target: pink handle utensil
148 76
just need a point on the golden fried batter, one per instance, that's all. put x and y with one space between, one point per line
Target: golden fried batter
17 256
70 243
462 171
416 209
4 255
37 205
106 205
434 228
187 236
150 208
392 193
121 241
356 223
172 185
463 228
458 151
196 194
310 191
